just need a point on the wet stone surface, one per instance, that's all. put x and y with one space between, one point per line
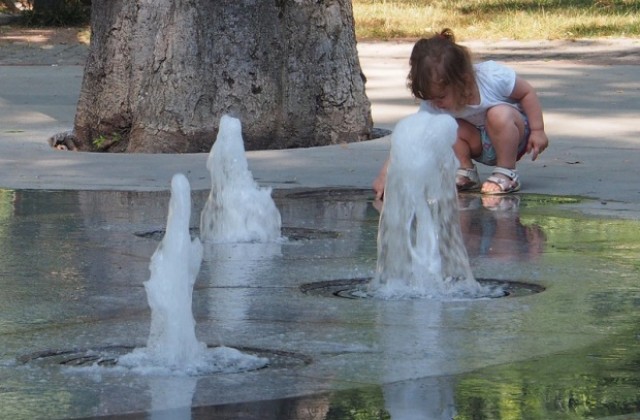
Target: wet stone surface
73 267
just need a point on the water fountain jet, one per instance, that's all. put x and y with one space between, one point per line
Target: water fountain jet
237 210
172 343
420 248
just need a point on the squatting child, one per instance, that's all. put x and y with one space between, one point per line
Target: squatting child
498 113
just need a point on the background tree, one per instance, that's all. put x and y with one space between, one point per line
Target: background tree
55 12
10 5
161 73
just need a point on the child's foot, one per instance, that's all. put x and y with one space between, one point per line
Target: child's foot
501 203
467 179
501 181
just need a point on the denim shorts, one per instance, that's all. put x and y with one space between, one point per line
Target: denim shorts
488 155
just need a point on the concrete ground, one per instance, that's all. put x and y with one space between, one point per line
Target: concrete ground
415 352
589 91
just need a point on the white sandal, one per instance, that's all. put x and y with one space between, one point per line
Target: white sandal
471 174
509 185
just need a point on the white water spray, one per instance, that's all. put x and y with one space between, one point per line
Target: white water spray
172 344
174 267
420 248
237 210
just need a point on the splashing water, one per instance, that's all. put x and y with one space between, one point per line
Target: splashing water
420 248
172 344
237 210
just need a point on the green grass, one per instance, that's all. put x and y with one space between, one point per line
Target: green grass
497 19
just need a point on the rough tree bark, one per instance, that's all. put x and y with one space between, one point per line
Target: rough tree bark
161 73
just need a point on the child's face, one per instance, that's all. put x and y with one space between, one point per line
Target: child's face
442 97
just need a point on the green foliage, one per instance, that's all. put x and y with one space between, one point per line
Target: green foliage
104 142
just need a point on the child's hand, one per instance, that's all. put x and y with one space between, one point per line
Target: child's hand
538 141
378 186
381 179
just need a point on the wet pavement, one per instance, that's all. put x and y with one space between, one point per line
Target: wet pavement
78 230
74 263
590 114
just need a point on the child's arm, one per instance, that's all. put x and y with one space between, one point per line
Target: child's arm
381 179
524 93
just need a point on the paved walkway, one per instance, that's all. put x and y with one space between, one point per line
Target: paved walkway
592 115
590 93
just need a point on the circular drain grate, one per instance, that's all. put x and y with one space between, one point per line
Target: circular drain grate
305 234
291 233
158 234
108 357
333 194
102 356
357 288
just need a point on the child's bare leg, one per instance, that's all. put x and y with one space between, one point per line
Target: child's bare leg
468 144
505 127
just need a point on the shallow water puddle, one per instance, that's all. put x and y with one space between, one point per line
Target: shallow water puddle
73 264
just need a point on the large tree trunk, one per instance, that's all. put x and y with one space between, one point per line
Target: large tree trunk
161 73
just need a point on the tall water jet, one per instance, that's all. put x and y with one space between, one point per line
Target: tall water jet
174 266
237 210
420 248
172 344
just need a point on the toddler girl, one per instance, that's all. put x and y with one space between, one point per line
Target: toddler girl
498 113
